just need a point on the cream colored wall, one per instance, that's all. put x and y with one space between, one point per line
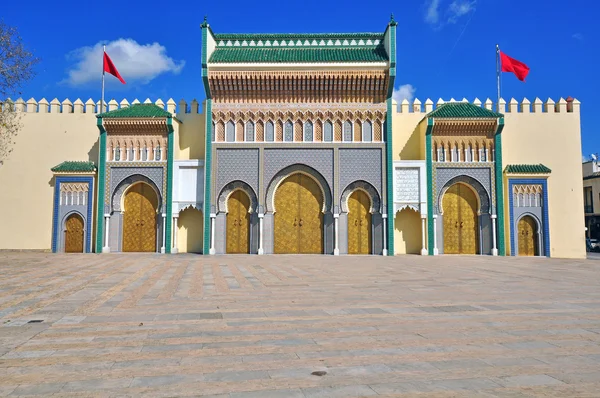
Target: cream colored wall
553 139
190 231
189 142
408 144
26 182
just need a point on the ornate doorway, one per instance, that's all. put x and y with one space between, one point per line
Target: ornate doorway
74 234
238 223
460 220
527 230
359 223
298 216
139 219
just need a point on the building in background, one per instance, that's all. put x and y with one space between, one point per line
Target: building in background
591 197
298 148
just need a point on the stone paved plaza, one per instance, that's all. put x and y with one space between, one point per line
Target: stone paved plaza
259 326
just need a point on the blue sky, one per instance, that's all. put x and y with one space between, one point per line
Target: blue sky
446 48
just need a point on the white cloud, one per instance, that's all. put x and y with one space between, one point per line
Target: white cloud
134 61
406 91
432 15
458 8
577 36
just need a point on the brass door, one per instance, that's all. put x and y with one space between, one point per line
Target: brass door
359 223
74 234
238 223
139 219
298 217
527 237
460 220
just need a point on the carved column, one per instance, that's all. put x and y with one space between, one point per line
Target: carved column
164 232
212 233
423 239
260 233
336 248
174 248
106 248
435 248
494 248
384 216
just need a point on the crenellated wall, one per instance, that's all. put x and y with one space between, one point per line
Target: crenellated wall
53 132
546 132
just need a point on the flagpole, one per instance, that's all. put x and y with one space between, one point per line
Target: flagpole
102 103
498 76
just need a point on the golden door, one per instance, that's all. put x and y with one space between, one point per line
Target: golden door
460 220
139 219
238 223
298 217
359 223
527 236
74 234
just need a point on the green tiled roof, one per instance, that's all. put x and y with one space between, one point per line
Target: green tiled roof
75 167
299 36
527 169
298 54
462 110
136 111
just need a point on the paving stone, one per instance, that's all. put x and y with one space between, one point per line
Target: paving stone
38 389
293 393
341 392
152 325
528 380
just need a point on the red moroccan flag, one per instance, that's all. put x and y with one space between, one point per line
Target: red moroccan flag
110 68
512 65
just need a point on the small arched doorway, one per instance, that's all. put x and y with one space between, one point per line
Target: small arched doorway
238 223
139 219
190 231
298 216
74 233
461 229
527 230
359 223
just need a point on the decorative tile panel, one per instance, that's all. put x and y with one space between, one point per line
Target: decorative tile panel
236 165
154 172
361 164
480 178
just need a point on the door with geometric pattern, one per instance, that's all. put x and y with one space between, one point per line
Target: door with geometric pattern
527 230
74 234
238 223
461 230
359 223
298 216
139 219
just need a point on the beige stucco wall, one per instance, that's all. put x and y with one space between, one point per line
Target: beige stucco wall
553 139
26 182
189 142
190 231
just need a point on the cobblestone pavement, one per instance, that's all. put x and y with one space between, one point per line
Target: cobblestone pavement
259 326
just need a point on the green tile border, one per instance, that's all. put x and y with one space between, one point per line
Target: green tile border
499 188
101 186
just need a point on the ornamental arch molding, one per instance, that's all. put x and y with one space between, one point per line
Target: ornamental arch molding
305 170
231 188
483 198
368 189
119 192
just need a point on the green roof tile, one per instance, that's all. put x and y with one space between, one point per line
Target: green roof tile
137 111
527 169
462 110
298 54
75 167
299 36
